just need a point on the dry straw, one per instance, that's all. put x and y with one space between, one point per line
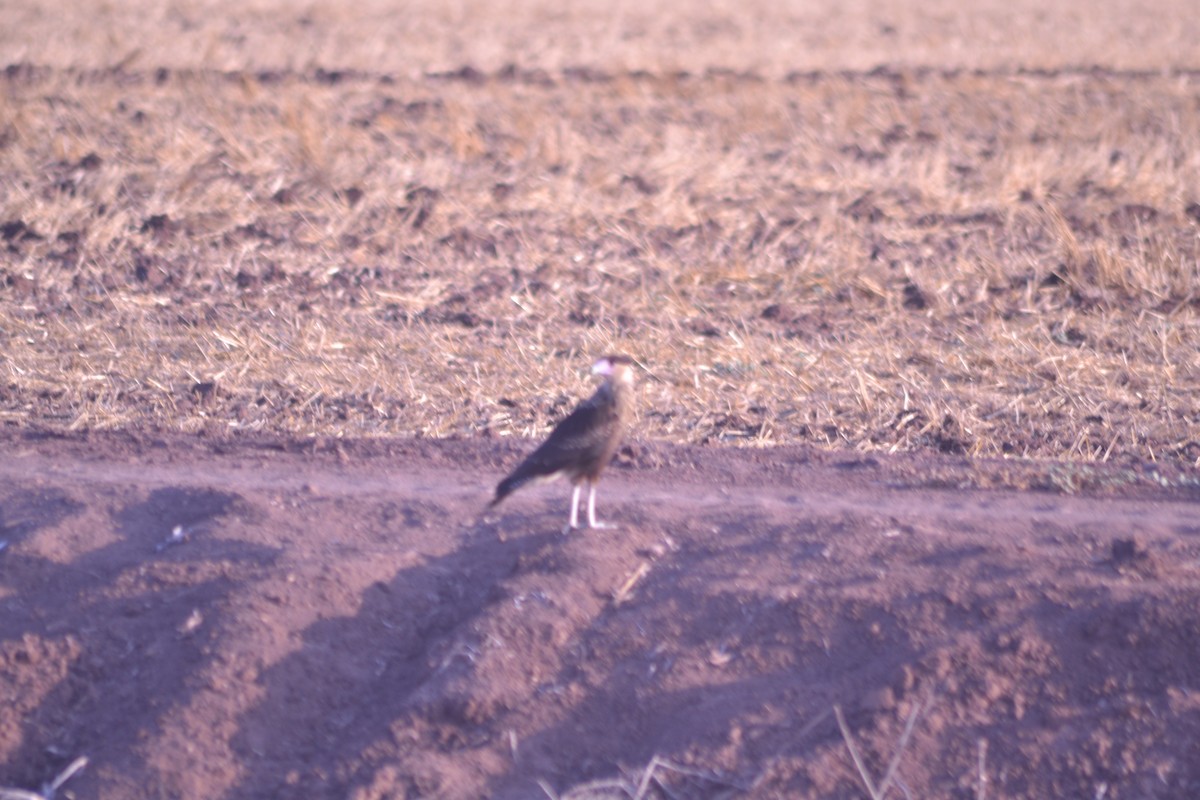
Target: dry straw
989 263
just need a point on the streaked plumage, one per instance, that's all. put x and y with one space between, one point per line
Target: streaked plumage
583 443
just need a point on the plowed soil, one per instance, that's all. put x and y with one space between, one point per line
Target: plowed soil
263 618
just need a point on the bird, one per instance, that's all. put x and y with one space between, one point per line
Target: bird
583 442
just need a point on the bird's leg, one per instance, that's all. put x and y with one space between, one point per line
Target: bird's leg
574 524
592 522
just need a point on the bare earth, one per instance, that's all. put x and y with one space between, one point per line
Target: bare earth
336 621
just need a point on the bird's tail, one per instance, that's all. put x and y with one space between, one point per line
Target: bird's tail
504 489
510 484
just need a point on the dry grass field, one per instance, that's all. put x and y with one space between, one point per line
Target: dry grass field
286 287
363 223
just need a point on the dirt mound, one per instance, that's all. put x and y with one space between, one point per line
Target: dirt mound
269 619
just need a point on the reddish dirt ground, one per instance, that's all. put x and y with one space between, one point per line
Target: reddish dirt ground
336 620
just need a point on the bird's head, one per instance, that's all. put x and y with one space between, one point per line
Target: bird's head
618 368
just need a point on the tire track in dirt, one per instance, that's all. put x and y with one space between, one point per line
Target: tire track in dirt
947 505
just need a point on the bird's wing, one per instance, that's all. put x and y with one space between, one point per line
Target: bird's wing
576 441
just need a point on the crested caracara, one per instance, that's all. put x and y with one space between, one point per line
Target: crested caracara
583 443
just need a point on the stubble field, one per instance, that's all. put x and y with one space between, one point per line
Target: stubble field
956 250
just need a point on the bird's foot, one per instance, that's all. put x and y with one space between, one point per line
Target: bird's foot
603 526
568 528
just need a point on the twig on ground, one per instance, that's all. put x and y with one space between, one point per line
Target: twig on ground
623 592
812 723
48 789
858 763
656 763
900 747
651 774
591 789
981 792
889 776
